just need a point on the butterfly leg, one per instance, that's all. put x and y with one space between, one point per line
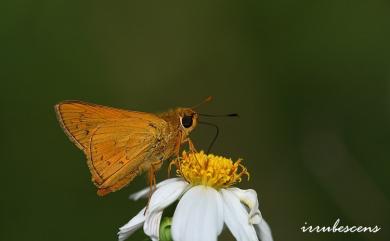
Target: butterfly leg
154 166
152 175
191 146
175 161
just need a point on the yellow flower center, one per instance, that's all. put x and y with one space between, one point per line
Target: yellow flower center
216 171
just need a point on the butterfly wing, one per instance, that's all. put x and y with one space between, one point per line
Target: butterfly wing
118 143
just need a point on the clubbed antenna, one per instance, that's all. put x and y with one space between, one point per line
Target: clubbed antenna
208 99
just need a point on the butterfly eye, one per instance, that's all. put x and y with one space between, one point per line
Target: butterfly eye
186 121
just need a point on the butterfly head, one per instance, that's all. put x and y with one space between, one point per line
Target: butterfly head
188 119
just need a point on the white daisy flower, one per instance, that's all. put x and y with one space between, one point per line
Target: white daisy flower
206 202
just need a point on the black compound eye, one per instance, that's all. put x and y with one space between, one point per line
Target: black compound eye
186 121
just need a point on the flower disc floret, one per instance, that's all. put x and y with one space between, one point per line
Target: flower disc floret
199 168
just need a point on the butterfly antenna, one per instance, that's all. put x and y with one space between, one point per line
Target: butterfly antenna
215 126
208 99
216 134
224 115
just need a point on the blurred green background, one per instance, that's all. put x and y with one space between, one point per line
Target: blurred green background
310 79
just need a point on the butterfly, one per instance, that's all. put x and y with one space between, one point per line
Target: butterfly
121 144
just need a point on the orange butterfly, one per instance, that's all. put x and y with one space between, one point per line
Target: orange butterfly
120 144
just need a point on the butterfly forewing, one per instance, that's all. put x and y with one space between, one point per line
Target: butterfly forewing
117 142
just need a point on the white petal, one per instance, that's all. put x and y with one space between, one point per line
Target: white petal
263 231
236 217
134 224
144 192
164 196
198 215
249 198
152 225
